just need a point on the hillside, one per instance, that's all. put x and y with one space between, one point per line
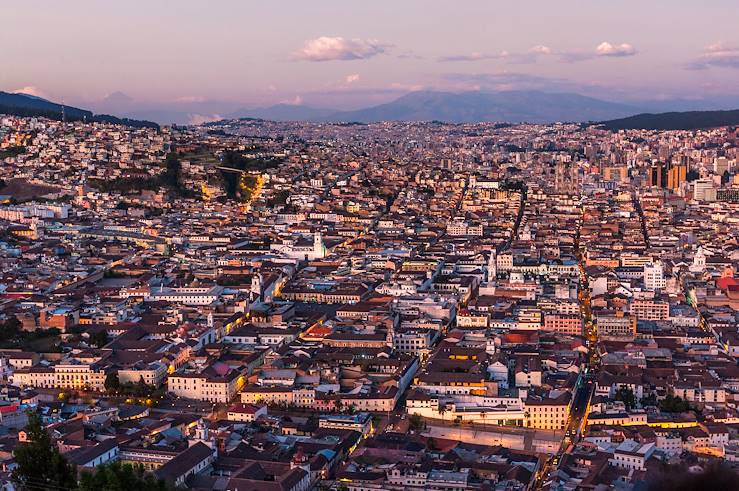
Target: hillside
26 105
688 120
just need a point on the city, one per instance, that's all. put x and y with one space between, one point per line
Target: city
492 281
534 302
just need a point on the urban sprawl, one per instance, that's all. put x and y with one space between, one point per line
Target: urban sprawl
289 306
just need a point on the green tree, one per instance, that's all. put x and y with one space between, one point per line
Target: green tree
442 411
40 465
715 475
142 389
99 339
650 400
112 383
416 422
674 404
116 476
626 395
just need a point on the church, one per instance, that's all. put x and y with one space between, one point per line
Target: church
302 248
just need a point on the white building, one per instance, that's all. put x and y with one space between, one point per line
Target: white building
654 277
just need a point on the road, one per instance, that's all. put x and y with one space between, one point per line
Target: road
575 426
586 383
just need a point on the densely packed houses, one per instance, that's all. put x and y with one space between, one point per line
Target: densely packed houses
288 306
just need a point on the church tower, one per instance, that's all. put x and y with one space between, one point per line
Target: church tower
256 285
492 273
319 249
699 260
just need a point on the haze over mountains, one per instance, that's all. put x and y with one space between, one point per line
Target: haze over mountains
453 107
508 106
463 107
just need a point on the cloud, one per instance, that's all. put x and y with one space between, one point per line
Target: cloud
31 90
327 48
501 81
716 55
397 86
540 50
190 98
617 50
295 101
203 118
604 49
409 55
474 57
354 77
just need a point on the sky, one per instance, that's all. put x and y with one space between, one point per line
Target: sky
219 55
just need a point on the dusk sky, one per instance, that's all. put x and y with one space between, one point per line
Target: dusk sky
354 53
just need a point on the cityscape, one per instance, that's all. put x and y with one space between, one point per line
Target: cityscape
447 289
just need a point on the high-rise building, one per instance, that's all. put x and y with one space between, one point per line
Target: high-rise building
703 190
615 173
676 176
654 277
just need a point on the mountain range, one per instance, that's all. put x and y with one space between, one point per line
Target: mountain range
452 107
29 105
458 107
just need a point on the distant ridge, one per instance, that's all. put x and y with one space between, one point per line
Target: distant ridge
30 106
458 107
507 106
688 120
283 112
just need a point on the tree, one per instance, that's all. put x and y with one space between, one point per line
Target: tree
40 465
442 411
99 339
674 404
416 422
650 400
715 475
142 389
338 405
626 395
115 476
112 383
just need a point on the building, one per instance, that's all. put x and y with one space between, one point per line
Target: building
549 412
208 385
704 190
245 413
361 422
654 277
615 325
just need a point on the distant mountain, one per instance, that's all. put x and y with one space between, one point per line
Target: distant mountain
28 105
689 120
462 107
284 112
510 106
